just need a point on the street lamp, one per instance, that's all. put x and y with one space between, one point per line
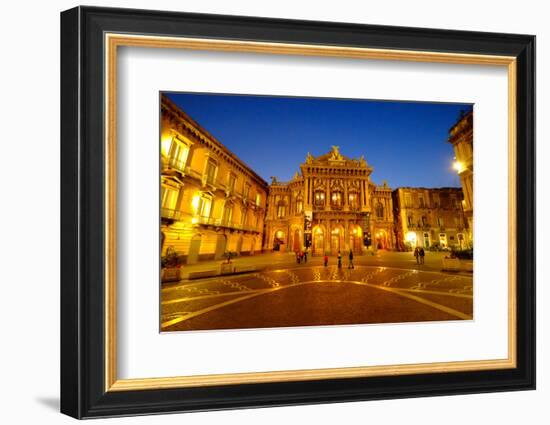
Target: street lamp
457 165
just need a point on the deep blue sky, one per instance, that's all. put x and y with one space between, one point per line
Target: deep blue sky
405 142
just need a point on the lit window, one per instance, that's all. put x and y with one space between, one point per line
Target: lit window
299 205
336 199
211 168
281 209
205 204
227 213
319 198
258 199
353 201
408 202
169 197
178 154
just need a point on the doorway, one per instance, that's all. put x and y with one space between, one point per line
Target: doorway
194 249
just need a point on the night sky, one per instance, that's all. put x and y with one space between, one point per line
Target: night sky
405 142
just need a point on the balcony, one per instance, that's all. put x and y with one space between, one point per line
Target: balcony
176 164
336 207
170 214
218 222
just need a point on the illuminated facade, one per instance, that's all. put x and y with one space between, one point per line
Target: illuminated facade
461 136
331 205
430 218
211 202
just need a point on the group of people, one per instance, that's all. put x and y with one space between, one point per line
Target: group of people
301 256
419 254
350 260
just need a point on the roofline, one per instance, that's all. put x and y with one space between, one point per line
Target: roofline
185 117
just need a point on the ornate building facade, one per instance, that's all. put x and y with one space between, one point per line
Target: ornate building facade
211 202
461 136
430 218
331 205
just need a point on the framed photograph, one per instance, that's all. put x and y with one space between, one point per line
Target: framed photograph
261 212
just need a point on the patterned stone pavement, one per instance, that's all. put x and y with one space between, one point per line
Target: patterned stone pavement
309 296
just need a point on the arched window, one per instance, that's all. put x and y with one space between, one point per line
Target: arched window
353 200
227 213
319 198
379 210
336 199
299 204
281 209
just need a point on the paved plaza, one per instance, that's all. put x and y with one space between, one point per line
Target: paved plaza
383 288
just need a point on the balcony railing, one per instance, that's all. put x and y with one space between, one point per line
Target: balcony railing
170 213
211 221
176 163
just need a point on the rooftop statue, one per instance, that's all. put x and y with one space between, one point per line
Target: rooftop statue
335 154
362 161
309 158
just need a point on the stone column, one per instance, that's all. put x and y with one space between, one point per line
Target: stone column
346 235
345 200
328 238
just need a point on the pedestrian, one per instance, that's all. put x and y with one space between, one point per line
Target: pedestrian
297 257
326 260
421 254
305 256
339 260
350 265
417 255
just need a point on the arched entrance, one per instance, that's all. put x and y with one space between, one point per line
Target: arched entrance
337 239
356 239
194 248
221 242
381 239
239 247
318 241
278 240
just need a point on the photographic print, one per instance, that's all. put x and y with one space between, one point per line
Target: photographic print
301 194
291 211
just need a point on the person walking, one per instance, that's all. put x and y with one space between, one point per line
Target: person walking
305 256
417 255
326 260
298 257
339 260
421 254
350 265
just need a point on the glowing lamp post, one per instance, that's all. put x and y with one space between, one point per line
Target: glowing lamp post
411 238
